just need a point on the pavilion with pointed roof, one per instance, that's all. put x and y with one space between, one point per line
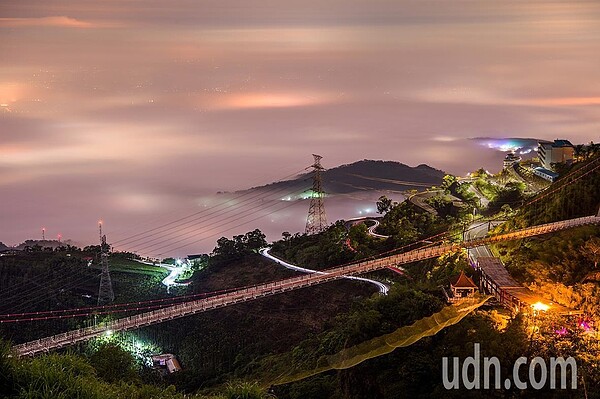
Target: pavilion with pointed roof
462 286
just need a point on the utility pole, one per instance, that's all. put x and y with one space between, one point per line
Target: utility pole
317 219
105 293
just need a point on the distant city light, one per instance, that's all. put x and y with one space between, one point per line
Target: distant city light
524 146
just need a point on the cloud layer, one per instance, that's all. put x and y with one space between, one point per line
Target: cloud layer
126 110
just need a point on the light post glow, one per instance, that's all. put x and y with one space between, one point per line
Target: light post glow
539 306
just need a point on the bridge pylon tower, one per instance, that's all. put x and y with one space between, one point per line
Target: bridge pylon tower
105 292
317 218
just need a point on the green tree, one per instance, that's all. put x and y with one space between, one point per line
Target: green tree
255 240
448 183
384 204
7 385
246 390
112 363
591 250
239 246
480 173
225 248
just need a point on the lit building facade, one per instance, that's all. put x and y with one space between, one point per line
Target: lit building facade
559 151
545 174
510 159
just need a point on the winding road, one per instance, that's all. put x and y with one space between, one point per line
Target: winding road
170 280
372 229
170 312
383 289
371 232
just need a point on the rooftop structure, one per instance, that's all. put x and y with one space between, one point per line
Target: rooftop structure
510 159
461 287
166 361
545 174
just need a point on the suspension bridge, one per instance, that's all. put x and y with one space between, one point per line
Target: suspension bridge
161 310
263 290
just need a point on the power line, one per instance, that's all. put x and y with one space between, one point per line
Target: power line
127 230
62 282
233 227
43 298
247 192
214 215
316 221
105 291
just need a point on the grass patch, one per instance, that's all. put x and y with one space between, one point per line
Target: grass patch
130 266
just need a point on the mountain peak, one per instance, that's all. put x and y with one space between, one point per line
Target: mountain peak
368 174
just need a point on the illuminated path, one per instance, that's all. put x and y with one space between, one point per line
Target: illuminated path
276 287
371 230
383 289
174 272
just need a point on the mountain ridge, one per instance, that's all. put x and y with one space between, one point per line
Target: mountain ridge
368 174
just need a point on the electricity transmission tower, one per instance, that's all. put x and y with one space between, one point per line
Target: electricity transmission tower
317 219
105 293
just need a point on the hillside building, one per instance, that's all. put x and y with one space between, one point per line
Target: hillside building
558 151
545 174
166 362
510 159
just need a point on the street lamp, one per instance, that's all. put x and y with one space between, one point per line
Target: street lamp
540 307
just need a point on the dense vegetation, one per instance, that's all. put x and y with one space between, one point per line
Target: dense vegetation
575 194
562 266
40 279
237 343
343 242
109 374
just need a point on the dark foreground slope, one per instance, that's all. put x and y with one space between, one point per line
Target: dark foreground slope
215 345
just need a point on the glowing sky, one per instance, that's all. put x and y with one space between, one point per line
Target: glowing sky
130 109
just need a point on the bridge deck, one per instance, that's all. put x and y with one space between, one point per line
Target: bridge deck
494 269
511 292
276 287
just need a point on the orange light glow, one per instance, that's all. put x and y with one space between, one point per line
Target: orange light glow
539 306
272 100
59 21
